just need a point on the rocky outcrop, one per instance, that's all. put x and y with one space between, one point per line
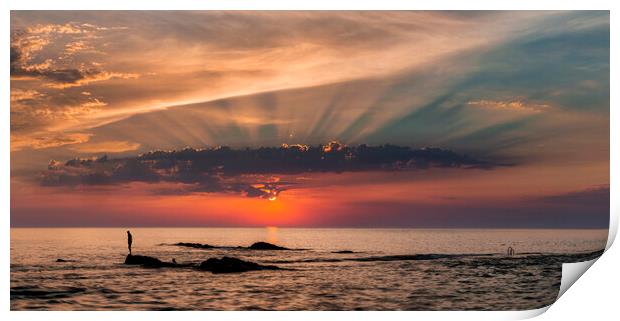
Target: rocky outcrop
266 246
195 245
147 261
255 246
64 261
214 265
232 265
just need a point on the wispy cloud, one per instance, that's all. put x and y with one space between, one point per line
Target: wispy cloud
105 147
512 105
48 140
203 56
20 95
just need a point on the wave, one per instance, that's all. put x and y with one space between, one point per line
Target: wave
385 258
28 292
528 258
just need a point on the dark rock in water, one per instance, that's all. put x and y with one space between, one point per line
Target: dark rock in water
232 265
266 246
255 246
223 265
344 252
147 261
64 261
195 245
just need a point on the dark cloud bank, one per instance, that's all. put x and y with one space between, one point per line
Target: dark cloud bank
581 209
249 171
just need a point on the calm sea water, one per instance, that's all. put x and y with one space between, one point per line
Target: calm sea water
383 273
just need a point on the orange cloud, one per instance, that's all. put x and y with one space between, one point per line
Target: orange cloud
105 147
18 95
85 76
47 140
515 105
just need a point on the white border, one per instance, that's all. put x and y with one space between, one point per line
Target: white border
570 305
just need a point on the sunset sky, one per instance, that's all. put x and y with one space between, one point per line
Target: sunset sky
506 114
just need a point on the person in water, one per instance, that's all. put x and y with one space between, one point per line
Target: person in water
129 241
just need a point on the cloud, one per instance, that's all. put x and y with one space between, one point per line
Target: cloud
78 46
357 77
61 78
32 110
68 28
20 95
68 78
251 172
105 147
47 140
58 71
586 208
595 196
515 105
202 56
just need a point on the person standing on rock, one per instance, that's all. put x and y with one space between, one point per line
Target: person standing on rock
129 241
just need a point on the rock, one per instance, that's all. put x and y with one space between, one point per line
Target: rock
255 246
265 246
344 252
215 265
147 261
232 265
195 245
64 261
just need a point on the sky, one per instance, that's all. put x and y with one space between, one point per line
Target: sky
443 119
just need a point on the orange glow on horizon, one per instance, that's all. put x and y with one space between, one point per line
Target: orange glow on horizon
324 198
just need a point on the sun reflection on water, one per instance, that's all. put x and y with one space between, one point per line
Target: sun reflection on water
272 234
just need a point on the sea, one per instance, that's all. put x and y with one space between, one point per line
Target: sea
380 269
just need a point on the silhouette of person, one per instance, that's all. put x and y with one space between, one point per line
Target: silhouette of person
129 241
174 261
510 251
